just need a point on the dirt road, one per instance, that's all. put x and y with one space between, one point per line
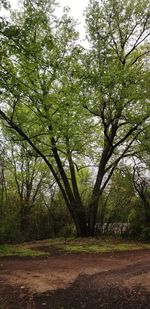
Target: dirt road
73 281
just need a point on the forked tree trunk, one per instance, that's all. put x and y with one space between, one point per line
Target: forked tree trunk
85 227
78 215
93 207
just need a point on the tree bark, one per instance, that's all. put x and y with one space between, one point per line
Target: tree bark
93 205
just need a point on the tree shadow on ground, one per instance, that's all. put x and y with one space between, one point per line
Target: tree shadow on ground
96 291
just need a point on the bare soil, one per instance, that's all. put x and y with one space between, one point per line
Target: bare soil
76 281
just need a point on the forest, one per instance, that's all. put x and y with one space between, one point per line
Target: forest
74 121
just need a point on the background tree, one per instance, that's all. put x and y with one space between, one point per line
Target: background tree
2 179
29 174
120 199
32 206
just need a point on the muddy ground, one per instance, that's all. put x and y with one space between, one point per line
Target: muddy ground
76 281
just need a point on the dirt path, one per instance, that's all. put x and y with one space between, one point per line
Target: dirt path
67 281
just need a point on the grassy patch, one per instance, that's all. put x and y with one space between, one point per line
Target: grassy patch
19 250
97 245
103 248
58 245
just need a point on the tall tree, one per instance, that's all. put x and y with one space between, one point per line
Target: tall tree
71 104
116 83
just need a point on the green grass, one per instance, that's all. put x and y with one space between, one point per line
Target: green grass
80 245
97 245
19 250
104 248
102 245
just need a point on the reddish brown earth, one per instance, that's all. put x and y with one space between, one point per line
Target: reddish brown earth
76 281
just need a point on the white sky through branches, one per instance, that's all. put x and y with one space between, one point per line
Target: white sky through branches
77 8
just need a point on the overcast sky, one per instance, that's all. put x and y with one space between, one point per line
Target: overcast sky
77 8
